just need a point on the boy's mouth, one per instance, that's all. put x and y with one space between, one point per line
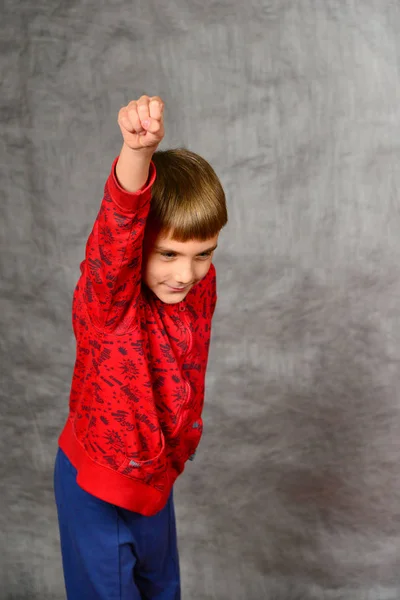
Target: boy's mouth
176 289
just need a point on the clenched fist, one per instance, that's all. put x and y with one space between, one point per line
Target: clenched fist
142 123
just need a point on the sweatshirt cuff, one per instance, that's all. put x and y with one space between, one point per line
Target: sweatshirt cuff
130 201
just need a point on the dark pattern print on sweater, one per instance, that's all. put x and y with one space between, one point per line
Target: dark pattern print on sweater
138 384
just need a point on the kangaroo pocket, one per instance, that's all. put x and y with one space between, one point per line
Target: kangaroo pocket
183 428
151 471
173 406
144 447
123 440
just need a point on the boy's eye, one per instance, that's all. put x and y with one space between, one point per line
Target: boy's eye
202 256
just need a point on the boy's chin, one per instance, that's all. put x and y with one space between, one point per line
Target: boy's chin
171 298
166 295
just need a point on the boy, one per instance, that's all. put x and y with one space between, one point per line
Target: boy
142 313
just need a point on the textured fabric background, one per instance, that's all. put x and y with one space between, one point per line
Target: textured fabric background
295 491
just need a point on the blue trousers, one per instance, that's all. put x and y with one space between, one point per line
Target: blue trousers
110 553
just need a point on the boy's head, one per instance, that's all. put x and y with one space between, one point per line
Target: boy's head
187 212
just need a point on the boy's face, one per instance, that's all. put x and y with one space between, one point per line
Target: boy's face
171 268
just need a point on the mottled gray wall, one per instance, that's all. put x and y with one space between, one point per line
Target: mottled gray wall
295 493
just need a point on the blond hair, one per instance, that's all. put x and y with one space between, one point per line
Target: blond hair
188 201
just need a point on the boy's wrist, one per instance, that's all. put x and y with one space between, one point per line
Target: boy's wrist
144 154
132 168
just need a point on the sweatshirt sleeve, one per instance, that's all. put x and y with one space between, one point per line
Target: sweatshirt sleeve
111 272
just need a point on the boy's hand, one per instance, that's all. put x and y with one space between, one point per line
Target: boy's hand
142 123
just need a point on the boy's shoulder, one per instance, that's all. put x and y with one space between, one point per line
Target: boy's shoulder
206 288
209 281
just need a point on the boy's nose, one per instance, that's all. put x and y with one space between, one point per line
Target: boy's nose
184 276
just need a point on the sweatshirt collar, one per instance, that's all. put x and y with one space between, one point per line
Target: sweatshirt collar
170 309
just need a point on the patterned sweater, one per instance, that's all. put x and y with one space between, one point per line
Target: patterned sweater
138 384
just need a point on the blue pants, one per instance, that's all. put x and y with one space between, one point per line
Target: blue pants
110 553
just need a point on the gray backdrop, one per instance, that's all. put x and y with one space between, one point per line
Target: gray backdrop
295 492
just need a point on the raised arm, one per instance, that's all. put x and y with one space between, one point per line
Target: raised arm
142 127
111 274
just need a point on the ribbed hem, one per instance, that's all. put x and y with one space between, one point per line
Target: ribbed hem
109 485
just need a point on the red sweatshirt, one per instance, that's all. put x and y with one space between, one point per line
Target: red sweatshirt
138 383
